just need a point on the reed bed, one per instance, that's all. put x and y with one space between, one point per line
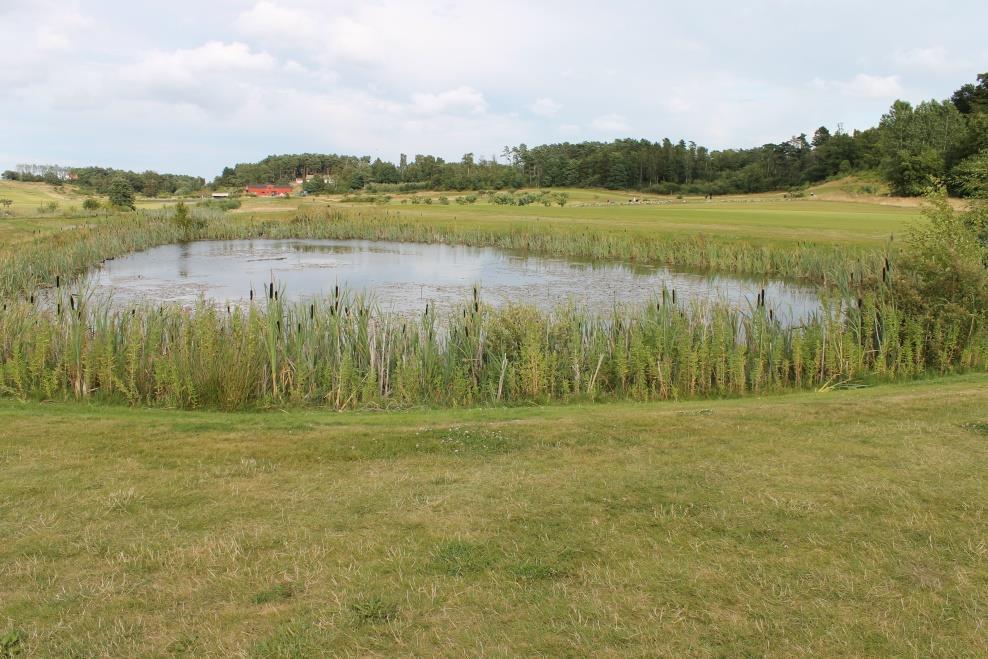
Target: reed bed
61 257
344 353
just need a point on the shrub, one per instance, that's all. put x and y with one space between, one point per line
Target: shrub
222 204
90 204
941 277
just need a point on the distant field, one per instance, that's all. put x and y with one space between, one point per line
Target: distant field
840 524
758 218
768 218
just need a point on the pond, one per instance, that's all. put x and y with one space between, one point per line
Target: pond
403 277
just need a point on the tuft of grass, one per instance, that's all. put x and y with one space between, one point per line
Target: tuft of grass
536 570
276 593
980 427
374 609
458 558
11 643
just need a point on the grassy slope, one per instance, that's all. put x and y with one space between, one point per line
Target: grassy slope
841 523
26 222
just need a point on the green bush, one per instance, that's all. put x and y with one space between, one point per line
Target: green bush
941 277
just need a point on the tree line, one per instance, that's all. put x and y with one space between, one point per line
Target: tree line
945 140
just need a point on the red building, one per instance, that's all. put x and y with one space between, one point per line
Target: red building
268 190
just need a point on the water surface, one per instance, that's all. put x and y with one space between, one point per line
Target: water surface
403 277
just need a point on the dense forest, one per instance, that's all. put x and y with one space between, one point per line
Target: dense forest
911 145
947 140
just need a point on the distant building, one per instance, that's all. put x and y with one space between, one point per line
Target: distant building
221 195
268 190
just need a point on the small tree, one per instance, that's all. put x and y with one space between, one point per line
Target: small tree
561 198
121 193
184 220
315 185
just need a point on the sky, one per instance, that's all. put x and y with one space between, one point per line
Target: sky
190 87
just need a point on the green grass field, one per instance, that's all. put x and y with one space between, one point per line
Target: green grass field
767 219
846 523
839 523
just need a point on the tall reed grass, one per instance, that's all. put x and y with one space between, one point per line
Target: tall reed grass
342 352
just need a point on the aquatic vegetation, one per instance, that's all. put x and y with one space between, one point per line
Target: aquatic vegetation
344 353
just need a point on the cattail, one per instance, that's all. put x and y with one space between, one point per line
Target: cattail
674 296
252 294
312 311
271 291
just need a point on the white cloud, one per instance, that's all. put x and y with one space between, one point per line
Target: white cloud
863 85
936 59
678 104
610 123
461 99
214 77
545 107
275 21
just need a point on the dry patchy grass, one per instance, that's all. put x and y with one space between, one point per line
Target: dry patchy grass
841 523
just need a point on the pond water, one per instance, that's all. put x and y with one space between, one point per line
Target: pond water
403 277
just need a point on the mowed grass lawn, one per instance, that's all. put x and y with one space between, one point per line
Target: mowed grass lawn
844 523
756 220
